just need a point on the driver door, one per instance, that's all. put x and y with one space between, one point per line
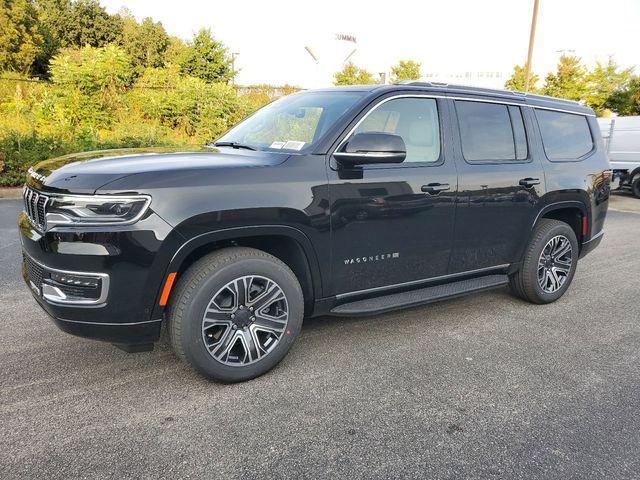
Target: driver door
393 224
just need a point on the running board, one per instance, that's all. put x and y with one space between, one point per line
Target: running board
394 301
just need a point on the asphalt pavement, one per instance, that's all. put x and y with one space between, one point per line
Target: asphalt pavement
485 386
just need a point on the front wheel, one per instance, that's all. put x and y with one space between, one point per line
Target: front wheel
235 314
549 263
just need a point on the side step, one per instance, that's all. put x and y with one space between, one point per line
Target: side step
394 301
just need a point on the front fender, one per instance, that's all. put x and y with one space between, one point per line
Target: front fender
237 233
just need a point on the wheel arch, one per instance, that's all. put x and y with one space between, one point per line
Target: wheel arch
286 243
569 211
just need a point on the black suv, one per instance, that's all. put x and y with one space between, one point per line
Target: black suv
344 201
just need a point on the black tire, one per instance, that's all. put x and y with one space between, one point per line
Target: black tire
195 292
524 283
635 186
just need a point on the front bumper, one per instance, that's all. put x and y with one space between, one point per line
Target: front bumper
127 260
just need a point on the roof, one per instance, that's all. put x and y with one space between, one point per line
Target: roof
465 90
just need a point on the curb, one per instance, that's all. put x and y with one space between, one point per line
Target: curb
10 193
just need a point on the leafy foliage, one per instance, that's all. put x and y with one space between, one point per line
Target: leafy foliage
84 22
20 38
405 70
602 81
518 79
145 43
626 99
569 81
207 59
353 75
95 101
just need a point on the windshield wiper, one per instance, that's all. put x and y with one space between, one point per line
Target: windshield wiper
233 145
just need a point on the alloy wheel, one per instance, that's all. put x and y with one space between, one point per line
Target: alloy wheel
245 320
554 264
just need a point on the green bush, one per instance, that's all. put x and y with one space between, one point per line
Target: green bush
95 101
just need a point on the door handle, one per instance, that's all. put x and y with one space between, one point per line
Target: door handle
435 188
529 182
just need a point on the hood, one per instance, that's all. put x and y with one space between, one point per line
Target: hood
84 173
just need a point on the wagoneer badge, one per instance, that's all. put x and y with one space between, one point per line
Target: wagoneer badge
36 175
371 258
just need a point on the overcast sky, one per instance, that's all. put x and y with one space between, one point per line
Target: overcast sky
446 36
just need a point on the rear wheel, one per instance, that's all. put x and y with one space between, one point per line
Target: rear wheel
635 185
549 264
235 314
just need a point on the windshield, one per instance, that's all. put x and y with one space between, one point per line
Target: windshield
293 122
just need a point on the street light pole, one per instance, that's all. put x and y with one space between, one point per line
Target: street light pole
532 36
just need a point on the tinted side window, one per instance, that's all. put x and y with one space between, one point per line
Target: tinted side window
519 134
414 119
491 132
565 136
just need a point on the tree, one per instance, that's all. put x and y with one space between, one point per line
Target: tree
353 75
602 81
79 23
20 38
518 78
626 100
207 59
569 81
145 43
106 70
177 51
73 23
405 70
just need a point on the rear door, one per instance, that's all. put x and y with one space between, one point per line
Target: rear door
393 223
501 181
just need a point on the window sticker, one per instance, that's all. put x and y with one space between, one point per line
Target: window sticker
294 145
277 144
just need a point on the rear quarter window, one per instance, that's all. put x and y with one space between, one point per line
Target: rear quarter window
565 136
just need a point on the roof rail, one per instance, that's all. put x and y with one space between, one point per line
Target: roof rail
419 83
485 90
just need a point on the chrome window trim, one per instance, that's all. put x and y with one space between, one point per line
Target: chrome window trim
365 154
424 281
435 96
489 161
381 102
582 157
521 104
584 114
104 286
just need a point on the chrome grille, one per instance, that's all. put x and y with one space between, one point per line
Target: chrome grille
35 206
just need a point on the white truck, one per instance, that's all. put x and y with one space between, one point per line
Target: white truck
622 142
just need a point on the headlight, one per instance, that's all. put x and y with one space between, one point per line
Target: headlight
95 210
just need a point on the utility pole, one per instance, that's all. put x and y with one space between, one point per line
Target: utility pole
233 66
532 37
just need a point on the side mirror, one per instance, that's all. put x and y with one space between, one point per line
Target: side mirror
372 147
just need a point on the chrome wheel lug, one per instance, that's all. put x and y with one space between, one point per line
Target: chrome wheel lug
234 327
233 315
